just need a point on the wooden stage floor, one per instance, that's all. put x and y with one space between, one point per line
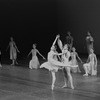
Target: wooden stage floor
22 83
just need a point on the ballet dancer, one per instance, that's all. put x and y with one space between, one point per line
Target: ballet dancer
67 69
34 62
13 51
69 41
91 66
89 42
74 56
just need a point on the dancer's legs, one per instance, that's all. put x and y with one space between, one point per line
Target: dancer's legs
65 78
13 62
85 66
53 79
70 80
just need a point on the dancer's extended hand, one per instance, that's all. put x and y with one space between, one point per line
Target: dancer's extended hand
58 36
44 58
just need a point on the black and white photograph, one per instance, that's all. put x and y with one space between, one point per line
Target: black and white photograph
49 49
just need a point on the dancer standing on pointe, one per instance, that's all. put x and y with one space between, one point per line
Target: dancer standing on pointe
91 66
69 41
52 64
89 42
13 51
34 62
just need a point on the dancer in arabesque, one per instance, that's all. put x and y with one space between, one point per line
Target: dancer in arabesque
34 62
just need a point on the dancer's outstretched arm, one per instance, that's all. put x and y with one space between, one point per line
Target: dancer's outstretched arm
16 47
78 57
55 40
40 54
29 53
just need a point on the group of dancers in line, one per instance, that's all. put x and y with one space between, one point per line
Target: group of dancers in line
66 60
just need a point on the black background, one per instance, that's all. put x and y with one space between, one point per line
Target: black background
39 21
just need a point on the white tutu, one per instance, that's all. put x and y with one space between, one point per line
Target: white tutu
34 63
49 66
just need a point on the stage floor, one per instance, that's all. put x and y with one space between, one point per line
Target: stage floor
22 83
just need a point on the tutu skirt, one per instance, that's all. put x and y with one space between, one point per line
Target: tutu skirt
34 63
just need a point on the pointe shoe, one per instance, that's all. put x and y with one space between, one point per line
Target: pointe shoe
72 87
52 87
85 75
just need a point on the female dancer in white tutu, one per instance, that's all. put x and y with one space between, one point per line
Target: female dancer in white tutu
91 66
74 56
34 62
13 51
52 64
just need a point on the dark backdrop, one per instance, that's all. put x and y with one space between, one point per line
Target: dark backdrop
38 21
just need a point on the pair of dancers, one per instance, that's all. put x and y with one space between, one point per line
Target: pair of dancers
53 64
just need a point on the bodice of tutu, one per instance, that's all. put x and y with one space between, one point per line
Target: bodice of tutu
73 56
91 58
11 45
34 52
51 56
65 57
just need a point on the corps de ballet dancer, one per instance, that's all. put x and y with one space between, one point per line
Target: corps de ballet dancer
53 64
69 41
74 56
89 42
91 66
13 51
34 62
